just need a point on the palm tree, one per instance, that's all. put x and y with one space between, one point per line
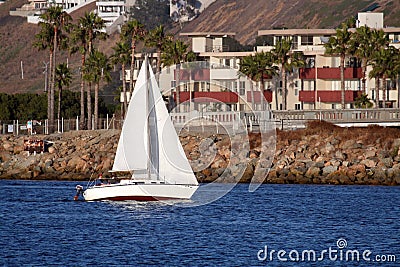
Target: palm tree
63 78
59 20
44 40
175 53
287 61
363 102
158 39
122 56
362 47
133 31
88 29
257 67
384 66
340 45
98 69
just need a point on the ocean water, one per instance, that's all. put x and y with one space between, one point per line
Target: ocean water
277 225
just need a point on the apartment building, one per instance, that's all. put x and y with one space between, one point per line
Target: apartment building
318 85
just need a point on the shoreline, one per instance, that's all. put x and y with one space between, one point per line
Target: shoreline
320 154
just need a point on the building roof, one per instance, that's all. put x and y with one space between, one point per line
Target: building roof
288 32
207 34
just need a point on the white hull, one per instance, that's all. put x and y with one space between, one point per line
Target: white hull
139 192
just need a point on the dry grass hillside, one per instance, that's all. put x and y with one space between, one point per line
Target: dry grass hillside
245 17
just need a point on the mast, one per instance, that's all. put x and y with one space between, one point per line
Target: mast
148 119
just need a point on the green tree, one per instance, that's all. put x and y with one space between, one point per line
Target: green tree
85 32
363 102
384 66
98 69
175 53
44 40
63 79
158 38
132 31
361 46
59 20
151 13
122 56
287 61
340 45
257 67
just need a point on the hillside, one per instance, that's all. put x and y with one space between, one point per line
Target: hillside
245 17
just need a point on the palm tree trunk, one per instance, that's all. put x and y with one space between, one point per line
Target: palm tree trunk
53 79
132 64
158 65
342 95
178 70
376 92
82 118
364 79
124 91
384 84
59 103
48 89
89 107
96 105
252 94
284 88
398 90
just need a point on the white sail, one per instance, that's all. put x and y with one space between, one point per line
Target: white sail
131 152
173 166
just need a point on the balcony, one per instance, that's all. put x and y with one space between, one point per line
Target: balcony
193 75
257 94
207 97
307 73
307 96
328 96
334 73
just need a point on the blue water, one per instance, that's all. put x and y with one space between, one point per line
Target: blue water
40 225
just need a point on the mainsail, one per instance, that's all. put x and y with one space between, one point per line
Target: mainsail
131 152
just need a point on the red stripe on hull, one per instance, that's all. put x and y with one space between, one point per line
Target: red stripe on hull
138 198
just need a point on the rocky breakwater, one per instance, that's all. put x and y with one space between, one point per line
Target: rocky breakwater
320 154
69 156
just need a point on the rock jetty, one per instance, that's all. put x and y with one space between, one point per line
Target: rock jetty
320 154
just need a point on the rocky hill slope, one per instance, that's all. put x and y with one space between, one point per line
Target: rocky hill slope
246 17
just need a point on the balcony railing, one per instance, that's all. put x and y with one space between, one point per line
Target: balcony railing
328 96
307 73
334 73
193 75
208 97
257 96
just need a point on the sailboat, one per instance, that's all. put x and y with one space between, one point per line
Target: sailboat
150 149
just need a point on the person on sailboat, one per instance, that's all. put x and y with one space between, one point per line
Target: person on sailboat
100 179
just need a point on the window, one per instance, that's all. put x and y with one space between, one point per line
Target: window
173 84
242 87
296 92
297 106
234 86
307 40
